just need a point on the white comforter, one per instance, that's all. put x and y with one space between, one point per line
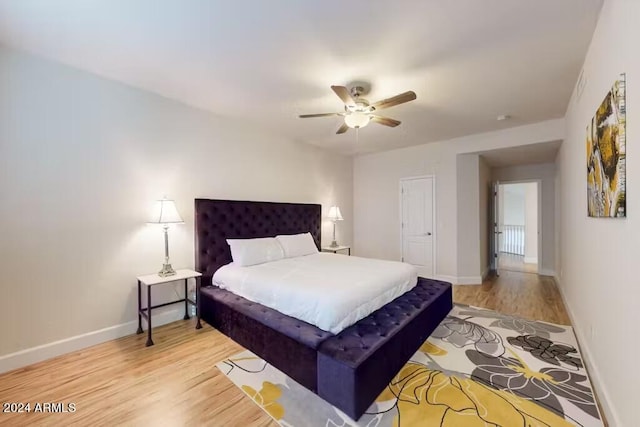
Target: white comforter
329 291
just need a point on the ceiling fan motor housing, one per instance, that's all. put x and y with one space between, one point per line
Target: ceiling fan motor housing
356 91
361 106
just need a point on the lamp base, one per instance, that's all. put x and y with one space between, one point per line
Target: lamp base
167 270
334 244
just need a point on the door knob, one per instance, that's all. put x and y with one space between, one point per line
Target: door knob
428 233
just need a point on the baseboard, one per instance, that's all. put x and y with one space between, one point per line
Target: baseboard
530 260
469 280
594 373
445 278
547 272
37 354
486 272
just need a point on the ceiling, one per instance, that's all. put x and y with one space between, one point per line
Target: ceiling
266 62
522 155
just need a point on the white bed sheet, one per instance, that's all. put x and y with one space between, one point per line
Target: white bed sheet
329 291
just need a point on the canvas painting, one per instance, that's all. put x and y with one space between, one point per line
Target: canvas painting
606 156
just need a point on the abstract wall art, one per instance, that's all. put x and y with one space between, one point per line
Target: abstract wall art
606 156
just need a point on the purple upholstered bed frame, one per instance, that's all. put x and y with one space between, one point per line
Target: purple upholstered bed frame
349 369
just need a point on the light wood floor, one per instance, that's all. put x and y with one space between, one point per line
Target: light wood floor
515 263
519 294
176 383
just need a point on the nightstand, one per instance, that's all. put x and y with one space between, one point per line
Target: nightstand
154 279
335 249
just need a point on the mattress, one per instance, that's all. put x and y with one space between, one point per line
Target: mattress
329 291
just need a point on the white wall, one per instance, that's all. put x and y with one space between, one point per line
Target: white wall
81 161
558 220
469 265
599 274
376 192
514 204
501 198
545 173
531 222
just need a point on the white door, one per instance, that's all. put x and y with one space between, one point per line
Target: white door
495 227
418 224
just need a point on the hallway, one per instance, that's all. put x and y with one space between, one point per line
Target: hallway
519 294
512 262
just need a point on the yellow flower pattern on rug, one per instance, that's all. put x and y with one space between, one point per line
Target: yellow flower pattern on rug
427 397
432 349
478 368
266 398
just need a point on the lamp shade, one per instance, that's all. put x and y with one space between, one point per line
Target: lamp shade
334 214
357 120
165 212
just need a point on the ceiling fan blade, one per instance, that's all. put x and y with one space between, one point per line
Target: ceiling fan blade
395 100
343 128
343 93
385 121
306 116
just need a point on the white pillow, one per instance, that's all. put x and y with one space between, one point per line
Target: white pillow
247 252
297 244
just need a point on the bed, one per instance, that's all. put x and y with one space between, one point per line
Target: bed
349 369
328 291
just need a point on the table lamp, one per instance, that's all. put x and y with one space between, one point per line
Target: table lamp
334 215
165 213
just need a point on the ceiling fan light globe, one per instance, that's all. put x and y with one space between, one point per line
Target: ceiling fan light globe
357 120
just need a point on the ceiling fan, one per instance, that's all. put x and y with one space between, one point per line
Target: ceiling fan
358 112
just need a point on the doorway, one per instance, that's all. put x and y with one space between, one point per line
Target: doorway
517 229
417 213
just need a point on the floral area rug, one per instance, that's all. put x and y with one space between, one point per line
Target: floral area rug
478 368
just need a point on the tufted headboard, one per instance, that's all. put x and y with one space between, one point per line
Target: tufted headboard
218 220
